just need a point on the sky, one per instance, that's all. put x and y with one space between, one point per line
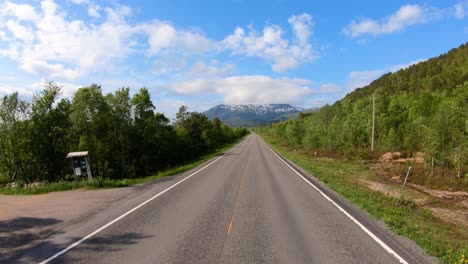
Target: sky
200 53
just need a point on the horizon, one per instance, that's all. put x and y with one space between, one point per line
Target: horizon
306 54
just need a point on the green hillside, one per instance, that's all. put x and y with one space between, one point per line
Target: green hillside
423 108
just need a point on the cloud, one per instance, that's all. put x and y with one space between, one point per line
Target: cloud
256 89
93 10
358 79
406 16
58 46
398 67
329 88
163 37
302 27
27 91
212 69
19 11
460 9
67 90
20 32
270 44
24 92
47 41
80 2
55 46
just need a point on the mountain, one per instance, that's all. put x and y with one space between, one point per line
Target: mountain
252 115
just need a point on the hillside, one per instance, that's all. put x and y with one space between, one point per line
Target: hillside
444 72
423 108
252 115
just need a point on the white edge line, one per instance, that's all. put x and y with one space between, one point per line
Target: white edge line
372 235
65 250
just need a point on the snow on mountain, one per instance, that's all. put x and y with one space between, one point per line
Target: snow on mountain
251 115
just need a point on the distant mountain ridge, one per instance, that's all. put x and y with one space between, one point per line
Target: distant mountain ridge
252 115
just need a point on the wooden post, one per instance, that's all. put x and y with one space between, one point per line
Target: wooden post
406 178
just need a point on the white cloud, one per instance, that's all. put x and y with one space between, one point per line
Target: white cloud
60 47
93 10
193 86
271 46
164 37
46 41
257 89
406 16
169 64
27 91
212 69
398 67
329 88
80 2
460 9
358 79
67 90
20 11
6 89
302 27
21 32
47 69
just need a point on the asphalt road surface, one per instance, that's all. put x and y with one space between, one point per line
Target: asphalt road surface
247 206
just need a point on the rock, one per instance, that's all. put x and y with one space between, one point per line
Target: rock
419 157
391 156
396 178
11 185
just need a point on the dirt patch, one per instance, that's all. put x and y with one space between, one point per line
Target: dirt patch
454 203
457 196
457 217
27 218
380 187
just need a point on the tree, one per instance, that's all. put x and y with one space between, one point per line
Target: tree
89 118
120 122
14 159
48 137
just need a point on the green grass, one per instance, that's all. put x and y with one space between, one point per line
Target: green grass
101 183
441 239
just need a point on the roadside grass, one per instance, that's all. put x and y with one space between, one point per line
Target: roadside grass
103 183
447 241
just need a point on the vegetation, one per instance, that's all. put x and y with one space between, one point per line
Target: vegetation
72 182
447 241
124 135
423 108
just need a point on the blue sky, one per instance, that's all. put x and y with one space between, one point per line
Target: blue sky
202 53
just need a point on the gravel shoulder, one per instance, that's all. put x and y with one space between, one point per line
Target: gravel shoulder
25 219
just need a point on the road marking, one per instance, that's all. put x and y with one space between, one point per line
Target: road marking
367 231
237 201
132 210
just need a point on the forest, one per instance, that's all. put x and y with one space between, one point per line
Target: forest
423 108
125 136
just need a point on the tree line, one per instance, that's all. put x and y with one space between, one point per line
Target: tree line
124 135
420 109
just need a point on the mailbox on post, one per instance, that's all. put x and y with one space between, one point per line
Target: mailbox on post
80 164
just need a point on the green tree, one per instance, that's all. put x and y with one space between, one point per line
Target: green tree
14 158
48 139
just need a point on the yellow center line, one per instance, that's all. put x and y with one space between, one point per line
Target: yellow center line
235 206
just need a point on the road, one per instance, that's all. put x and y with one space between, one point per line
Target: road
247 206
